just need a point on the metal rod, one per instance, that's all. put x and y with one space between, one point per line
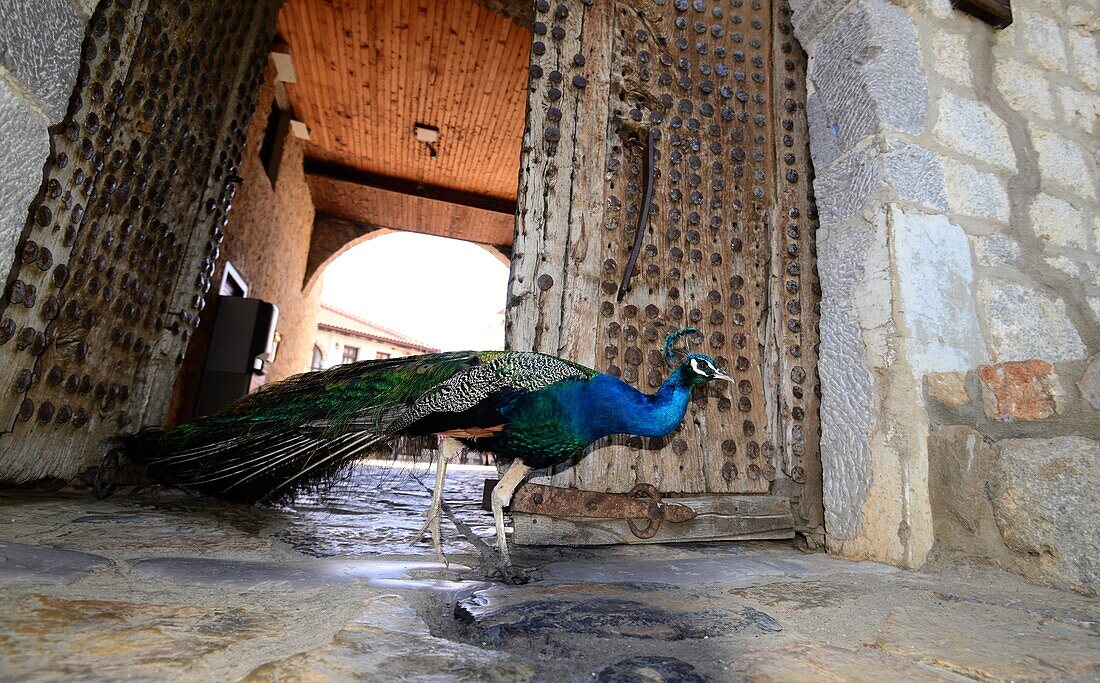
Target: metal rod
643 219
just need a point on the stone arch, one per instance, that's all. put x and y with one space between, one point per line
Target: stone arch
334 236
331 238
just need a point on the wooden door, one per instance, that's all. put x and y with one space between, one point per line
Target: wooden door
728 247
111 268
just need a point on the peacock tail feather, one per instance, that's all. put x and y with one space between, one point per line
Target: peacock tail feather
292 434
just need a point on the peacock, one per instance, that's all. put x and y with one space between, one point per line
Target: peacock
531 410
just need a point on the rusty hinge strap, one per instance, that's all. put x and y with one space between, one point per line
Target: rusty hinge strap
561 502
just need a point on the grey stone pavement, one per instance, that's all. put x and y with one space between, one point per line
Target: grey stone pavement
159 586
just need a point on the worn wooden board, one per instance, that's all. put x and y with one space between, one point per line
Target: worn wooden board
720 518
795 286
729 247
368 72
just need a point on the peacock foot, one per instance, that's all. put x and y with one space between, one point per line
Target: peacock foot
509 574
431 527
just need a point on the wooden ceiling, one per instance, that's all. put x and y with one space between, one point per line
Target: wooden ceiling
369 70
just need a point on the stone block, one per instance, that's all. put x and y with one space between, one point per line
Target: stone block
1020 390
1024 87
973 193
823 146
867 71
25 140
810 17
1024 322
1058 222
902 169
1085 60
1089 384
1084 16
947 388
970 127
1042 37
1064 265
996 250
959 461
934 282
40 46
1062 162
1046 500
951 56
1080 108
849 260
87 7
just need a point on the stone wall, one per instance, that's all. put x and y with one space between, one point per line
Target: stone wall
267 241
1014 459
956 179
39 55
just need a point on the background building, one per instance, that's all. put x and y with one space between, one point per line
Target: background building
344 338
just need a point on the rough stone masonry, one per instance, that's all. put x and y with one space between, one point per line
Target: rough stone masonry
957 180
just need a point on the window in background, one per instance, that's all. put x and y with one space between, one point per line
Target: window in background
317 362
381 355
351 354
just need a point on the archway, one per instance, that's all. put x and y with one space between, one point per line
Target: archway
402 293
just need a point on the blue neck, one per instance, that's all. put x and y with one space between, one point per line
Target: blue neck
625 410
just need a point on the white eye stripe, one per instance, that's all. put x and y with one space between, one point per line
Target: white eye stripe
695 366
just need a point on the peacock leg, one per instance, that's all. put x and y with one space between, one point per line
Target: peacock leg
501 498
447 449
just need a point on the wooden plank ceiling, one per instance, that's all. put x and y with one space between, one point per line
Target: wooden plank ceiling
368 71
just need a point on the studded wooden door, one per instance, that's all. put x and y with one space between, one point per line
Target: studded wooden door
728 246
111 269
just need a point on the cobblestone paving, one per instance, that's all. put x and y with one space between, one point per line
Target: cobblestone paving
174 588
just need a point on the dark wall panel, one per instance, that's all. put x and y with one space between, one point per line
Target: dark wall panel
111 270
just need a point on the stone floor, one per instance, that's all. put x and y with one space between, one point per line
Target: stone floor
166 587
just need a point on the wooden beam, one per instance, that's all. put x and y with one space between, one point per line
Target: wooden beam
719 518
377 207
402 186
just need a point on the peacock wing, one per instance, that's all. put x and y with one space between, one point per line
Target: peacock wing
496 378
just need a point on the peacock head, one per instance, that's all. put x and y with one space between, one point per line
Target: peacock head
696 368
700 368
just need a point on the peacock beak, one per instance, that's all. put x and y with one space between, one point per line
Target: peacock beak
722 375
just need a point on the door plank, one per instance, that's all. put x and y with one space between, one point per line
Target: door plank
719 518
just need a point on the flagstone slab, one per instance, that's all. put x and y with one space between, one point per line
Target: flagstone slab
56 638
649 669
695 569
628 610
989 643
390 642
805 662
38 564
300 575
